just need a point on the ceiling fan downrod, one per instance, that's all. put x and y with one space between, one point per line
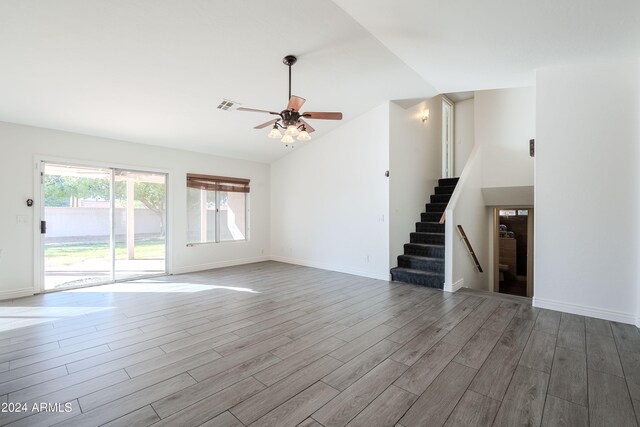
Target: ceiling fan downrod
289 60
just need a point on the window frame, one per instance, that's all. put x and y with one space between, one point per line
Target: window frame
218 185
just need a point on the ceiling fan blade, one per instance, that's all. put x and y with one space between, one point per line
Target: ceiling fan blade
307 126
324 115
295 102
265 124
257 111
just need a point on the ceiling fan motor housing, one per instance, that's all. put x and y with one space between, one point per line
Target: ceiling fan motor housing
290 117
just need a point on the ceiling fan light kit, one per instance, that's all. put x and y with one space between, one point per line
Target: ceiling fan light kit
290 119
287 139
304 136
292 130
275 133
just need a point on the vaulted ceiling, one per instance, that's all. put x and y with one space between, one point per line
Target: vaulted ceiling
154 71
472 45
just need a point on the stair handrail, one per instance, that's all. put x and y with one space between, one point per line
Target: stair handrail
467 244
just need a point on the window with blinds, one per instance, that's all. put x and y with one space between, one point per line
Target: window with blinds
217 208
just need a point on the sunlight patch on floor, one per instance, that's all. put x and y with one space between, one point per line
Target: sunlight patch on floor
19 317
151 286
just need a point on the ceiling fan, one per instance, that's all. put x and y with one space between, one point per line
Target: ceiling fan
291 119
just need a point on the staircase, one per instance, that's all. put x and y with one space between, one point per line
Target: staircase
423 259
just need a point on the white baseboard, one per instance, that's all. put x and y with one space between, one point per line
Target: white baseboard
455 286
220 264
332 267
16 293
584 310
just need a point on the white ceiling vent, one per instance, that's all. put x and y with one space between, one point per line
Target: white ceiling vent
228 105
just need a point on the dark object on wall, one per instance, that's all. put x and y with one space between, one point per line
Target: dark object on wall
386 173
29 202
532 147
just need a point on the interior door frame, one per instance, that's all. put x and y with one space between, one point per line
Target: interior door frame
38 242
496 246
447 144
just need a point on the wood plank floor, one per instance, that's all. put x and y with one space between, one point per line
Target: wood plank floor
273 344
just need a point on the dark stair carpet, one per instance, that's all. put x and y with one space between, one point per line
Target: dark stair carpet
445 189
430 217
423 259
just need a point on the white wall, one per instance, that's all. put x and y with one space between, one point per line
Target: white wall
504 124
467 208
587 190
330 199
20 145
415 153
464 133
638 194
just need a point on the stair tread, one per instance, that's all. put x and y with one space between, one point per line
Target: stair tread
418 272
426 245
423 258
426 232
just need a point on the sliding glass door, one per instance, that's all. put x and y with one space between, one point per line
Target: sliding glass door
77 225
139 223
101 225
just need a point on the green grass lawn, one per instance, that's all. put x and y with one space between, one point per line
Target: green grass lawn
57 254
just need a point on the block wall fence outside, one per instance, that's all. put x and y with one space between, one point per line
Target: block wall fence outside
72 222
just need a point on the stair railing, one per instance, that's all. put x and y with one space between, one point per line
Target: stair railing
467 244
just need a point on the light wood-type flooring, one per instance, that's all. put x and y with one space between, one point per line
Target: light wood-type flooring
283 345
